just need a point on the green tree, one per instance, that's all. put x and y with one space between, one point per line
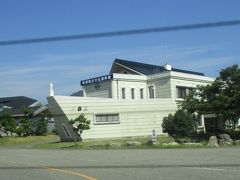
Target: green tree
222 97
41 127
28 112
181 124
25 127
80 124
7 122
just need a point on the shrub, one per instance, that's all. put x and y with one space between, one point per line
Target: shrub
80 124
181 124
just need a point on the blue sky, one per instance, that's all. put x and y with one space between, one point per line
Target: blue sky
28 69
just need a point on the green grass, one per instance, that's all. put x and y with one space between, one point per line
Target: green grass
117 144
14 140
53 142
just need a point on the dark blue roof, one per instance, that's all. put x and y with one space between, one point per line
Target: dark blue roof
78 93
148 69
16 103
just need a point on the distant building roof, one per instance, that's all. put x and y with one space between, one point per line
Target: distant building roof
148 69
79 93
16 103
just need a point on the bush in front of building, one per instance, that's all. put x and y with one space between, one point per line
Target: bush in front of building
80 124
180 124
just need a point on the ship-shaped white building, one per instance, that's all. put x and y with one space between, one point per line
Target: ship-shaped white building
131 100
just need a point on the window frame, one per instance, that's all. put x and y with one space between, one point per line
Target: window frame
151 92
123 91
184 91
132 93
107 116
141 93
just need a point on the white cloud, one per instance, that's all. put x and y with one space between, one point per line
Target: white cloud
202 63
16 71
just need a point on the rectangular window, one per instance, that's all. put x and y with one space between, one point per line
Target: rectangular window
141 93
182 92
132 93
107 119
189 90
123 93
151 92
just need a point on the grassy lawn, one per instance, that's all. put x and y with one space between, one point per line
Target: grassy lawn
114 144
53 142
14 140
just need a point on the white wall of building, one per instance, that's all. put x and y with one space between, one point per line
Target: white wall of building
162 87
118 85
187 80
101 89
137 118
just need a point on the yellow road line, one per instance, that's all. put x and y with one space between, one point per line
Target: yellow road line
10 162
71 173
59 170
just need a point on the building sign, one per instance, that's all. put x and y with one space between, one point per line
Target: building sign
154 137
80 108
96 80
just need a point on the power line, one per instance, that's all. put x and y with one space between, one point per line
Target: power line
121 33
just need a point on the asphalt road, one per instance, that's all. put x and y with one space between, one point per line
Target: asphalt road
181 164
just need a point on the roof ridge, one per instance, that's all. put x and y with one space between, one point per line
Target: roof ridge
156 66
116 59
14 97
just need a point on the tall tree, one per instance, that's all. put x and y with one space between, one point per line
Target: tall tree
25 127
221 98
7 122
41 127
229 81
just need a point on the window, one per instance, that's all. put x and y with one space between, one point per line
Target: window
107 119
141 93
132 93
151 92
183 91
157 70
189 90
123 93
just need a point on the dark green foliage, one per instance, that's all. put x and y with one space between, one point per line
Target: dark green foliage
54 131
221 98
25 127
235 135
181 124
7 123
41 126
28 113
80 124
